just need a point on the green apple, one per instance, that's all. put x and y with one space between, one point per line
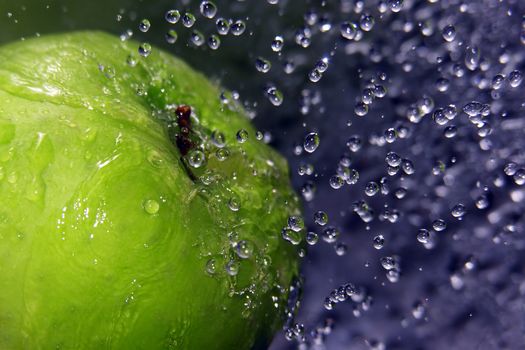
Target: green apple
139 209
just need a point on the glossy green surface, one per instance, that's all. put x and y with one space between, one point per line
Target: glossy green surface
105 235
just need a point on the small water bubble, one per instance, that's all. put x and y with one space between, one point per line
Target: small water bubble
291 236
442 84
315 75
379 242
474 108
472 57
388 262
320 218
400 193
232 268
353 177
367 96
296 223
262 65
144 25
470 263
223 26
439 225
423 235
288 66
425 105
242 136
197 38
277 43
275 96
308 191
408 167
211 266
312 238
325 25
196 158
379 91
395 5
238 27
348 30
244 249
328 304
458 211
340 249
330 234
361 109
371 188
510 169
188 20
151 206
519 177
366 22
218 138
393 159
126 35
144 49
482 202
336 182
449 33
172 16
131 60
208 9
214 42
418 311
171 36
234 203
498 81
515 78
390 135
311 142
354 143
450 131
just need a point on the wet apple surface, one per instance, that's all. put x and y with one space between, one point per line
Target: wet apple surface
143 212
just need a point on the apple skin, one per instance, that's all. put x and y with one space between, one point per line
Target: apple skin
105 238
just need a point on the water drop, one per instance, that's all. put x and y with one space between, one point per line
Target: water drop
515 78
274 95
151 206
244 249
458 211
449 33
311 142
262 65
208 9
423 236
172 16
366 22
232 268
196 158
312 238
171 36
214 42
320 218
330 234
144 25
242 136
238 27
348 30
144 49
223 26
295 223
378 242
188 20
277 43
